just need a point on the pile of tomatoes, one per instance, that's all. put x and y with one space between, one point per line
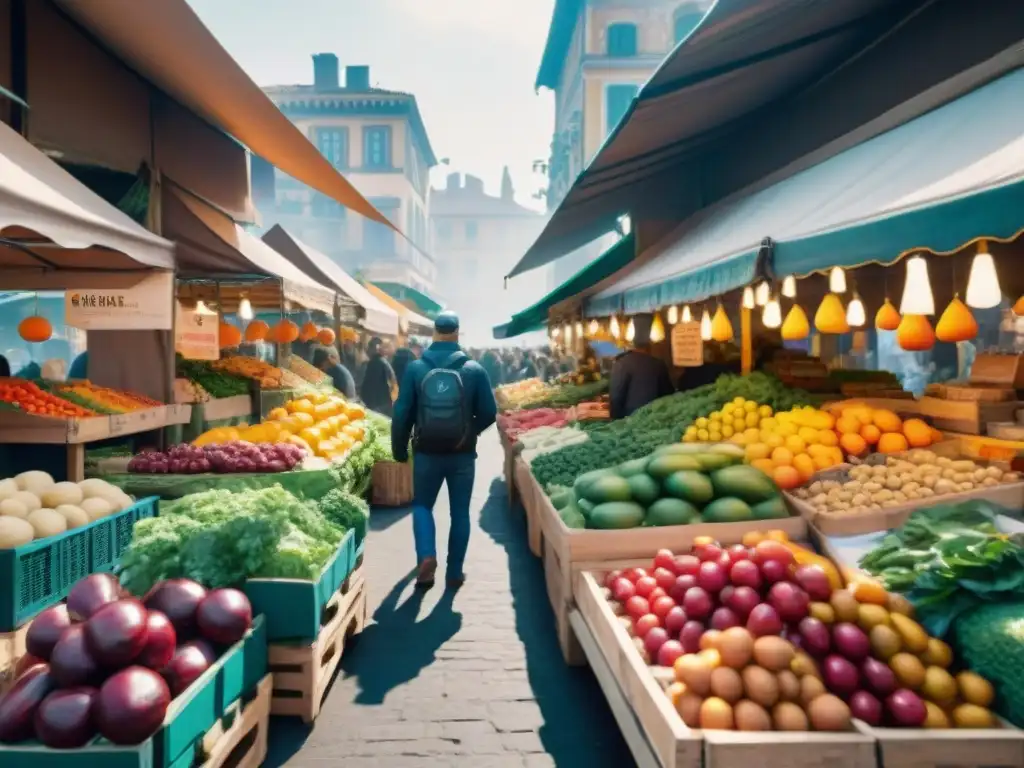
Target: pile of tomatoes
30 398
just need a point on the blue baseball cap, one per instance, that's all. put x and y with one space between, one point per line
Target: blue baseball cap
446 322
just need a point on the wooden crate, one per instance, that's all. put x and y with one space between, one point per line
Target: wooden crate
678 746
391 483
960 747
967 416
302 672
239 738
12 648
529 493
509 467
568 550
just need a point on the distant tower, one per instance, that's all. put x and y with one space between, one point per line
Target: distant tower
508 192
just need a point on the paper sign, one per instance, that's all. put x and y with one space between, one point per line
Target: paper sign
197 333
687 345
147 305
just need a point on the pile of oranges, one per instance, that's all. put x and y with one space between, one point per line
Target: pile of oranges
865 430
30 398
791 446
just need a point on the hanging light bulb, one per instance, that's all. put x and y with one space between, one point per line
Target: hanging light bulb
578 330
594 327
772 315
556 332
762 294
614 327
245 309
855 316
631 330
673 315
983 285
789 287
687 315
657 329
705 325
748 298
568 333
202 309
917 290
837 280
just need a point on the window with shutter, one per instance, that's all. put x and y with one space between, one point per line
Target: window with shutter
617 99
377 146
622 40
333 144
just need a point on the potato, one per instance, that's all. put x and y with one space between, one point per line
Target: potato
987 482
882 496
945 486
1011 477
899 496
815 488
893 483
966 487
871 487
924 492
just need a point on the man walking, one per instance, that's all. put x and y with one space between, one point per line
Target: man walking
444 402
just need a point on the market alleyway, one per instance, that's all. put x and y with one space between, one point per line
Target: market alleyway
475 680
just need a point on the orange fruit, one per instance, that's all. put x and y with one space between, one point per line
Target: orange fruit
848 425
892 442
918 434
782 457
765 465
937 436
853 444
887 421
804 464
828 438
786 478
752 538
870 433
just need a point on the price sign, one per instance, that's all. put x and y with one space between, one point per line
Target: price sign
687 345
197 333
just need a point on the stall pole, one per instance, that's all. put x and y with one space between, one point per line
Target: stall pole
746 342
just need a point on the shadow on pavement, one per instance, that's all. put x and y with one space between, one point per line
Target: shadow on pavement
382 518
573 734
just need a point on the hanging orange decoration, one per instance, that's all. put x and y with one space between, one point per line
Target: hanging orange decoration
831 315
1018 308
957 323
256 330
285 332
796 327
325 336
35 329
915 334
230 336
721 327
887 318
309 331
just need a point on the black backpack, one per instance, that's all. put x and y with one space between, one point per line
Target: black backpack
444 421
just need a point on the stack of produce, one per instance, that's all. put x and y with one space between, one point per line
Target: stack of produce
595 410
794 444
33 506
678 484
863 429
537 442
659 423
27 396
222 458
712 607
511 395
103 399
107 664
515 423
566 395
187 391
918 474
308 372
217 383
221 538
266 375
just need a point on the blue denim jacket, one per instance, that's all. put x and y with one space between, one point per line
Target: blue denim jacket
474 380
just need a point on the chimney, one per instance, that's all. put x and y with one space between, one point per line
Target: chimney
357 78
474 185
453 182
508 192
325 72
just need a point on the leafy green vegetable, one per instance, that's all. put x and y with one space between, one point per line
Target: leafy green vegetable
217 383
990 640
346 510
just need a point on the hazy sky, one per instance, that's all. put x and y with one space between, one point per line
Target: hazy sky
470 63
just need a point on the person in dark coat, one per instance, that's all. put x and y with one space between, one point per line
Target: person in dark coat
400 361
492 364
378 379
638 377
327 360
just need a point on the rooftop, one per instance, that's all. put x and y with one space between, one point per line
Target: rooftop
464 195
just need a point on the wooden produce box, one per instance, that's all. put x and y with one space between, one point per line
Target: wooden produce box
204 708
960 747
293 609
529 493
676 745
509 466
391 484
998 370
304 670
219 408
567 550
967 416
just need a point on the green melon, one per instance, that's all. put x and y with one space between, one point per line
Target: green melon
727 510
634 467
773 509
616 515
561 497
644 489
585 507
690 485
660 467
744 482
584 480
671 512
607 488
709 462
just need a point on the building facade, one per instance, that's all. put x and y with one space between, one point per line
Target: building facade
598 55
377 139
477 238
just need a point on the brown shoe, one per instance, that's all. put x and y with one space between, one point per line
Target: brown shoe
425 574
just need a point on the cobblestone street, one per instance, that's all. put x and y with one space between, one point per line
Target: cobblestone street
475 679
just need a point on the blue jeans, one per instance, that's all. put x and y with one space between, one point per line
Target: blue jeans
429 471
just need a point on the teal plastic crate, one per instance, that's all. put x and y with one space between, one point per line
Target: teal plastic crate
235 675
37 575
293 607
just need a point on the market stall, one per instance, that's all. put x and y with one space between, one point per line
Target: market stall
410 322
